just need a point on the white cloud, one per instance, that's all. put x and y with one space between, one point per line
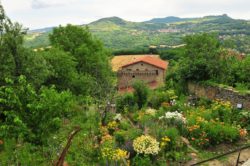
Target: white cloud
39 4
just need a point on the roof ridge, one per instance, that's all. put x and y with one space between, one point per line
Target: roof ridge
150 60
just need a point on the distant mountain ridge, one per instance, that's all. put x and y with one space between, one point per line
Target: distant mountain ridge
170 19
116 20
119 34
120 21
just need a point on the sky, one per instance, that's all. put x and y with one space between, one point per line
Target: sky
36 14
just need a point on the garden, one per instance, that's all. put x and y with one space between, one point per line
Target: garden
158 128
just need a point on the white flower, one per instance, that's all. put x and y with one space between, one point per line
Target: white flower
118 117
150 111
174 115
173 102
161 117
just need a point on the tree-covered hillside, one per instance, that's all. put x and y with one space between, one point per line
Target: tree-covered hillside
118 34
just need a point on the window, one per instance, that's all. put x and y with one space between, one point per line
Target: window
128 69
157 72
137 69
133 76
141 64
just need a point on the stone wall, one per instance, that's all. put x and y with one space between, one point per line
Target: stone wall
212 93
140 71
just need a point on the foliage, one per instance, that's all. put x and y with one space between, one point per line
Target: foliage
202 60
62 68
24 154
12 52
244 118
125 102
141 160
140 93
89 54
158 97
212 126
29 115
205 60
126 36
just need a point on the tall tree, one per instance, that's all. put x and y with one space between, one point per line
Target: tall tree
11 49
203 57
92 58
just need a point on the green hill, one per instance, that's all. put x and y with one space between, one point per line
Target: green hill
119 34
170 19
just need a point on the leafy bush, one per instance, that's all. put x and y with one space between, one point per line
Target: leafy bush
174 136
125 125
139 160
30 115
24 154
120 137
211 126
243 118
141 92
133 133
125 102
156 98
220 133
222 110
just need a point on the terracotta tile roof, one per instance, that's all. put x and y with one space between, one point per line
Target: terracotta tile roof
150 60
121 60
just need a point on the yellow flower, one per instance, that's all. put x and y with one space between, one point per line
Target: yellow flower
120 154
200 119
166 139
146 145
106 138
104 130
112 125
107 153
114 154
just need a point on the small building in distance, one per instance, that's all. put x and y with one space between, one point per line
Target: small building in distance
148 68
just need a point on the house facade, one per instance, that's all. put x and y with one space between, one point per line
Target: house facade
151 70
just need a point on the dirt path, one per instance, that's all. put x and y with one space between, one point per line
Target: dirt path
230 160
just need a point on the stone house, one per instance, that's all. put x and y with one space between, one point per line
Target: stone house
149 69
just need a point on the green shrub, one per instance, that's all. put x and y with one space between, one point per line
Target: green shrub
174 136
156 98
220 133
133 133
243 118
222 110
124 125
23 154
125 102
30 115
141 92
109 117
140 160
120 136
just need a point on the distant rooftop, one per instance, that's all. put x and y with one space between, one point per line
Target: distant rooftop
122 60
155 61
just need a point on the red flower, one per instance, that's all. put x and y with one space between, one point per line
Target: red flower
1 142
